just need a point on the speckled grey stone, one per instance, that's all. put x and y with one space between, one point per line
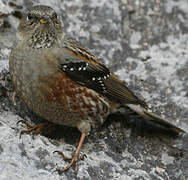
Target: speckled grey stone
145 42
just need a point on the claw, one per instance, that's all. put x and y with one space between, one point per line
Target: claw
65 158
24 122
57 170
75 158
20 121
35 129
82 157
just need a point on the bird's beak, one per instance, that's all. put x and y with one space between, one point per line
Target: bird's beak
44 20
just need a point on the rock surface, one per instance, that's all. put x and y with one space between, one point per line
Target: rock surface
145 42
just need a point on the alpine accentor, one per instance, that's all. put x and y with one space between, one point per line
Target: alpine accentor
63 82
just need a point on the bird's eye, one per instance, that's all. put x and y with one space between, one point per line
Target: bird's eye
55 18
29 17
54 15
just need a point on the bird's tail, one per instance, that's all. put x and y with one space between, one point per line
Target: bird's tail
154 119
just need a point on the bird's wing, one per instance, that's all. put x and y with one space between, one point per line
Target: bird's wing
84 68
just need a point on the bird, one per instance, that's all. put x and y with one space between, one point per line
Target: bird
63 82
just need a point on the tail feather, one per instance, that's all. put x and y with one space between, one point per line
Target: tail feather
154 118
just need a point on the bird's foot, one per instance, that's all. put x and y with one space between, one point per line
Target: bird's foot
75 158
72 161
37 128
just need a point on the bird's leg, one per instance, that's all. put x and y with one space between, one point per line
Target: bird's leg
35 129
75 158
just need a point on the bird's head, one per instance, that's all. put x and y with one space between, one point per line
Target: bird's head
40 28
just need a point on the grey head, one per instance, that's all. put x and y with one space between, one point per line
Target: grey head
40 28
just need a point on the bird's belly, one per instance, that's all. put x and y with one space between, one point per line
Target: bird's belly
62 101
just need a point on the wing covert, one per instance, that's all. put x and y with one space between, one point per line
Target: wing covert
87 70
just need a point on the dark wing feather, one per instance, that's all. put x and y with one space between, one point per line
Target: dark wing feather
84 68
120 92
99 78
87 74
